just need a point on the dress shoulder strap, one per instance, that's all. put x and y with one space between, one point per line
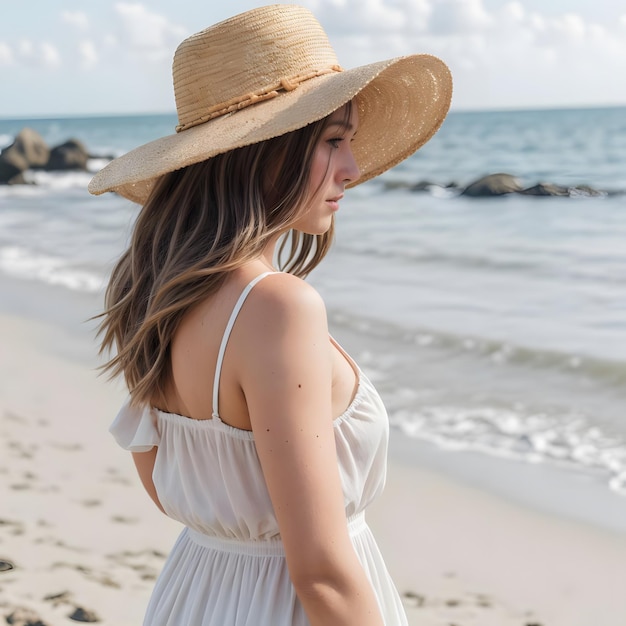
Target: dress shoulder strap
227 331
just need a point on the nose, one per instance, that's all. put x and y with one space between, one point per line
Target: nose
350 170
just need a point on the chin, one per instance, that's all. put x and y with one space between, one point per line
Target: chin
319 228
316 231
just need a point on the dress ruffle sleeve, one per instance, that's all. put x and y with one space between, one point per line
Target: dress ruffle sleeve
135 428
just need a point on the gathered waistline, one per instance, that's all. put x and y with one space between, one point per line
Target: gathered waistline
260 547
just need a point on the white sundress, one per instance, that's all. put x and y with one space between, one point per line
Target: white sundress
228 567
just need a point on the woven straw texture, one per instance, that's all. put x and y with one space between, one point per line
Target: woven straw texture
270 71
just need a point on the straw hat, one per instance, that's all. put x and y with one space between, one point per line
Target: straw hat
270 71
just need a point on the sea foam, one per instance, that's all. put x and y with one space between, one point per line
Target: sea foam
22 263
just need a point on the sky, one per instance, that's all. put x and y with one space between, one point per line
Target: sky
75 57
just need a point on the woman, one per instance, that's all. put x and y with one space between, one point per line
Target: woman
246 421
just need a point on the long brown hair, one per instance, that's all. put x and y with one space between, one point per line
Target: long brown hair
198 224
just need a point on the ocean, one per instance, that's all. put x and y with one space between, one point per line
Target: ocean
495 328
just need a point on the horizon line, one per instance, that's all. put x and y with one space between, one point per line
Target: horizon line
503 109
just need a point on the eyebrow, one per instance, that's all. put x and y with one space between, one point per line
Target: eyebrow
344 125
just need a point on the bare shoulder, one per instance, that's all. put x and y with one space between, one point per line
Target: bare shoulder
282 298
281 328
286 290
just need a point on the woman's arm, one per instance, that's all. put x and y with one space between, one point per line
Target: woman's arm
144 462
287 379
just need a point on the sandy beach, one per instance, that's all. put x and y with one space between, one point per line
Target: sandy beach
79 540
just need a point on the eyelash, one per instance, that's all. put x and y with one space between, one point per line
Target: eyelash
334 142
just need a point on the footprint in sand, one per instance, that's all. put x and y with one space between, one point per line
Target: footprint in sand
21 451
27 483
6 566
99 577
24 617
411 598
467 606
83 615
20 486
114 476
15 529
11 523
64 597
79 614
14 417
89 503
67 447
146 563
120 519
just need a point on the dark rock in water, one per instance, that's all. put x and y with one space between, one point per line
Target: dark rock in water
83 615
12 163
550 189
18 179
24 617
586 190
32 146
423 185
392 185
492 185
9 170
70 155
27 150
545 189
107 157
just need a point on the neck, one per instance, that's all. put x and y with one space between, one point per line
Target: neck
268 254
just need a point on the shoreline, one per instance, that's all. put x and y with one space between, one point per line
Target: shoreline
476 558
542 488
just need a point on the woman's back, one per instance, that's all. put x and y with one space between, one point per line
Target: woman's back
208 475
195 347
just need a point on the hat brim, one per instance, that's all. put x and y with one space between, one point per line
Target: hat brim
401 102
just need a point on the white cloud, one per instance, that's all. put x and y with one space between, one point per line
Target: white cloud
6 54
76 18
537 22
151 35
365 17
49 55
26 49
597 32
88 54
459 16
571 26
513 11
43 54
505 56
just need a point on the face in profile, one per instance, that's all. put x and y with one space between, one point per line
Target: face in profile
333 167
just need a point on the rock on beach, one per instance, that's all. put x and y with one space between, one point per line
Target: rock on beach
500 184
493 185
71 155
30 151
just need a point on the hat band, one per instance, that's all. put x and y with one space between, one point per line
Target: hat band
235 104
